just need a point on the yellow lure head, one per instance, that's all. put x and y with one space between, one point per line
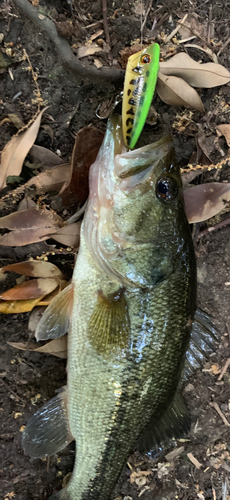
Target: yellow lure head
140 81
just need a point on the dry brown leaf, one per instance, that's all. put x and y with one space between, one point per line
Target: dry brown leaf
177 92
202 157
68 235
26 203
97 63
18 306
56 347
49 131
88 50
189 175
28 226
224 129
48 298
193 25
16 120
51 180
34 319
15 151
87 144
205 200
35 269
44 157
32 289
206 75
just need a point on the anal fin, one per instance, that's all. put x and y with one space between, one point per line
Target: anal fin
174 423
47 431
55 320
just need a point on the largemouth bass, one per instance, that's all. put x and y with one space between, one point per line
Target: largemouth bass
131 305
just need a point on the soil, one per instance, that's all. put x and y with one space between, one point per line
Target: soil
200 466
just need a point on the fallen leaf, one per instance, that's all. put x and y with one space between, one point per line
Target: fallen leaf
206 75
96 35
68 235
49 131
202 157
51 180
18 306
172 455
87 144
225 131
97 63
26 203
177 92
205 200
28 226
45 301
56 347
189 175
35 269
44 157
88 50
15 151
16 120
34 319
193 25
32 289
194 460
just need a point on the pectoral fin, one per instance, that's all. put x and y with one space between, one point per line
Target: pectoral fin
175 422
109 326
55 320
47 432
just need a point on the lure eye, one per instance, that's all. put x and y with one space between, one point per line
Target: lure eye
145 59
166 189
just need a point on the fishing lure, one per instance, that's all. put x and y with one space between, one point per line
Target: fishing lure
140 81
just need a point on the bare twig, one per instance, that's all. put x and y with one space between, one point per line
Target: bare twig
195 32
209 23
159 23
146 15
223 46
223 371
174 32
11 390
106 28
223 223
64 50
194 460
218 410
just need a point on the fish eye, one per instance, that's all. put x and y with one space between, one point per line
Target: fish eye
145 59
166 189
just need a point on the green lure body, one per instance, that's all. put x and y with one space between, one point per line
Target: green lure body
139 86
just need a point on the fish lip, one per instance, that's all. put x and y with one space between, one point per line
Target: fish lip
132 162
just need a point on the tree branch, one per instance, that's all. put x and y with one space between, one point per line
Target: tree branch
68 59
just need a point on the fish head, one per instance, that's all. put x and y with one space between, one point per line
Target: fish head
140 228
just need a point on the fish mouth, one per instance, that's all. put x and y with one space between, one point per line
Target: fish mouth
135 162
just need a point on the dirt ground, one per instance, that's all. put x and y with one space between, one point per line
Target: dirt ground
200 466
